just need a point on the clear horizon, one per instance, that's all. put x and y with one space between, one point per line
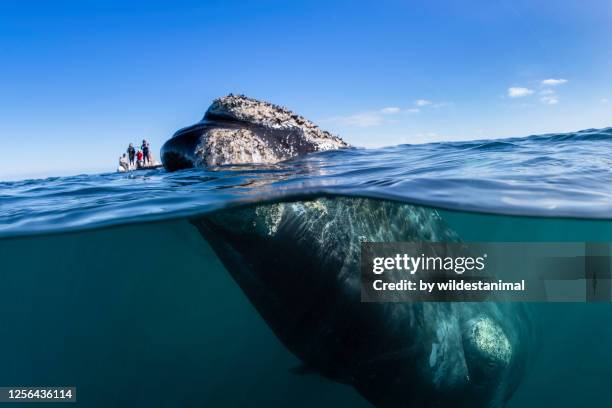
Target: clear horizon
82 80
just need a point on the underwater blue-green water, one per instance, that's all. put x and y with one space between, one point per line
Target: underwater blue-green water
106 285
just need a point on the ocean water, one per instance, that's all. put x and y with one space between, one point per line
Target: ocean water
107 284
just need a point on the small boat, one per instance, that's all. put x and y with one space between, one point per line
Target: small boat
151 166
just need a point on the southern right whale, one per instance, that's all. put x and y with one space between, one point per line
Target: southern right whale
298 264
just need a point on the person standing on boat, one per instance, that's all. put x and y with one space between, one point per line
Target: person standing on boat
145 151
139 158
131 153
123 163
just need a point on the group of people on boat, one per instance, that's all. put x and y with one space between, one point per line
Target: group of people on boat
137 158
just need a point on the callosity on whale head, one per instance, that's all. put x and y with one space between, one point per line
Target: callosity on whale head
237 130
298 264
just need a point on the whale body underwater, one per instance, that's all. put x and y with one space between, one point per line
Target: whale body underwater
298 263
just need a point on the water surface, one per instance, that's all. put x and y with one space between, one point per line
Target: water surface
106 285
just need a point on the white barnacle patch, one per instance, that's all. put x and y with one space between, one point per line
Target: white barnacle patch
491 340
270 217
234 146
317 205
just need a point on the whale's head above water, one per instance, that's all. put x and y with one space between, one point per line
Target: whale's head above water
241 130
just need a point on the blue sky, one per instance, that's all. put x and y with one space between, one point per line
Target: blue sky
81 79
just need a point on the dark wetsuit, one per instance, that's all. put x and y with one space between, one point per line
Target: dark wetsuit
131 153
145 153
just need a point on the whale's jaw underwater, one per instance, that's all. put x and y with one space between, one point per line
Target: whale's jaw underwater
298 264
